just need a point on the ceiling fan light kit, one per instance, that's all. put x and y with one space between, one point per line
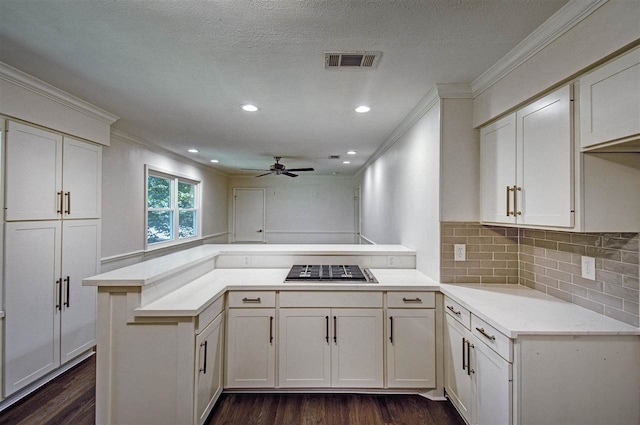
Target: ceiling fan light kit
280 169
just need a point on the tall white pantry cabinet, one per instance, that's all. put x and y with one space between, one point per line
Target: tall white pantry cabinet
51 242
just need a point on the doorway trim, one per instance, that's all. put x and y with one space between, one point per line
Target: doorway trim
264 212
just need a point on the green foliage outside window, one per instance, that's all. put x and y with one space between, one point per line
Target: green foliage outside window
170 200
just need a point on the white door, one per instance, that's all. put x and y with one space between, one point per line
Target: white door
357 348
251 348
248 215
411 351
33 302
545 161
498 170
304 357
208 368
457 377
82 179
33 173
493 386
80 259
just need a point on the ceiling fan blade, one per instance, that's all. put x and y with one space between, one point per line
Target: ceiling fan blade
300 169
262 175
254 169
286 173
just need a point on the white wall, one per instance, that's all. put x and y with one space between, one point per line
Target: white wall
611 27
305 209
123 187
401 193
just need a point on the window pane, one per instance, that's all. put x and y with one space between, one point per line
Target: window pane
186 195
187 224
160 226
158 192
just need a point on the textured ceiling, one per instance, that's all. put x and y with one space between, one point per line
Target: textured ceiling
178 71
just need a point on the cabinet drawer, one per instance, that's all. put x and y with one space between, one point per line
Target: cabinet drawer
210 313
330 299
411 300
458 312
499 342
252 299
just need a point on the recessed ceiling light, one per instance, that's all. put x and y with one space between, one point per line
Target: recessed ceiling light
215 161
362 109
193 150
249 107
346 162
351 152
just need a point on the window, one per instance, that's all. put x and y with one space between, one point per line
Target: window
172 208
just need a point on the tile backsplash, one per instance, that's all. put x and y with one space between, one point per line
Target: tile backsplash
550 262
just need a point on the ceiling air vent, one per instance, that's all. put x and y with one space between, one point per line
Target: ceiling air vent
334 156
351 60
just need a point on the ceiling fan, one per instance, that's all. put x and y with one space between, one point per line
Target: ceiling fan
278 169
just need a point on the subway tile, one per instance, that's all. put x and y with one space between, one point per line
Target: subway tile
539 287
609 277
480 272
576 259
447 255
541 243
631 282
454 272
546 281
559 256
533 268
538 252
622 292
527 241
493 248
584 239
513 264
622 316
557 274
500 240
611 254
630 244
545 262
513 248
570 268
588 304
480 255
565 296
630 257
506 272
535 234
587 283
447 247
493 264
446 279
493 231
573 289
480 240
526 258
529 283
525 274
513 232
631 307
453 225
467 232
558 236
454 239
446 232
467 279
511 256
624 268
605 299
575 249
493 279
473 248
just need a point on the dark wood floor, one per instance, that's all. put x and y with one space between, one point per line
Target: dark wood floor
70 399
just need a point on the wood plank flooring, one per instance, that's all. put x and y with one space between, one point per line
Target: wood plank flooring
70 399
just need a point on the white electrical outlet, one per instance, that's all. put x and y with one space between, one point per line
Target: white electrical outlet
459 252
588 267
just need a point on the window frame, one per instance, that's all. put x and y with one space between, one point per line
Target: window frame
175 179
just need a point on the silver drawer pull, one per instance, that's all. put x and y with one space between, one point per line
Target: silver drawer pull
411 300
251 300
450 307
486 335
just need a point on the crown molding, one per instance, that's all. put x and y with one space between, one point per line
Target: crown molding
123 136
455 91
39 87
562 21
424 105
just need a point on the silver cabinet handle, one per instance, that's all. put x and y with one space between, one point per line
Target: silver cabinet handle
411 300
516 189
251 300
469 347
61 202
485 334
203 369
450 307
509 212
59 293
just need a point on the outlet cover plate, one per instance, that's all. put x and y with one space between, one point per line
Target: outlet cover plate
588 267
459 252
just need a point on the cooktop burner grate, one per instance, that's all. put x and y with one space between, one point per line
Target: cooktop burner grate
320 273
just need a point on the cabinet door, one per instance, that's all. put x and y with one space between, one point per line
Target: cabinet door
32 302
251 348
457 379
493 386
33 173
411 352
498 170
545 161
80 259
208 368
356 351
304 356
610 101
82 179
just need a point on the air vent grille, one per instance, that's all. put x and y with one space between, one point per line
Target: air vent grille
334 156
351 60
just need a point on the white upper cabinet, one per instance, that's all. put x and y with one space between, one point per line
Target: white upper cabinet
527 165
610 103
50 177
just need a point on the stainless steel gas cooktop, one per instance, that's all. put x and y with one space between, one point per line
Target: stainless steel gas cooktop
330 274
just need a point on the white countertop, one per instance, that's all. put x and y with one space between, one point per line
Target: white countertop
193 298
517 310
150 271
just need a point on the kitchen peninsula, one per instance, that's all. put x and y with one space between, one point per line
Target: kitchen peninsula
174 331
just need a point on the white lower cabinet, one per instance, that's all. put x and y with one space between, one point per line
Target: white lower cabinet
457 377
251 349
50 317
491 382
209 368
